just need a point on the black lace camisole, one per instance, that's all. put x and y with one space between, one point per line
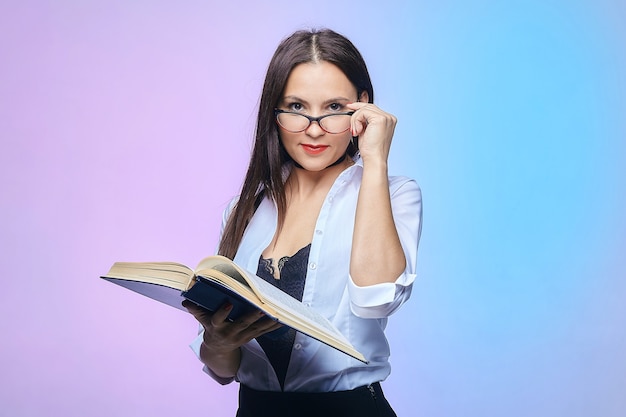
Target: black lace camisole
277 345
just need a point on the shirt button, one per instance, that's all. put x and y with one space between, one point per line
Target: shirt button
297 346
312 265
318 232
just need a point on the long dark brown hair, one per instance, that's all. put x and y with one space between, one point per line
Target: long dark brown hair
265 171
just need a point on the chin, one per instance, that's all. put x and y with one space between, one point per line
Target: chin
311 167
319 165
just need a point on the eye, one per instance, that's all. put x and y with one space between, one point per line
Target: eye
298 107
335 107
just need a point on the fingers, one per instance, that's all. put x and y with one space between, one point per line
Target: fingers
261 326
219 317
366 114
359 122
253 322
244 329
197 311
205 317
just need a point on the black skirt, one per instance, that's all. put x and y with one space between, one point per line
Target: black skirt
367 401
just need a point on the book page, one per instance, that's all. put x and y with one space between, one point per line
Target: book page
274 296
224 265
168 274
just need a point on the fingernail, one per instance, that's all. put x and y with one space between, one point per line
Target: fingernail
228 306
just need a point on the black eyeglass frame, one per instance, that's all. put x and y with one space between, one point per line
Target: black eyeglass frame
311 120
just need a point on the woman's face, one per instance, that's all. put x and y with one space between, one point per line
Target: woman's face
316 89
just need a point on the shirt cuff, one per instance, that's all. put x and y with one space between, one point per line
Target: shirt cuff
380 300
195 346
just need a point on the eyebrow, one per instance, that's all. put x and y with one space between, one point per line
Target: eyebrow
331 100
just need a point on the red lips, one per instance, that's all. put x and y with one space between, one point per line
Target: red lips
314 149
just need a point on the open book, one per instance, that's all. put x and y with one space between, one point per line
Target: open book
218 280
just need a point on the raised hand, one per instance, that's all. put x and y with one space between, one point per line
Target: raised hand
374 128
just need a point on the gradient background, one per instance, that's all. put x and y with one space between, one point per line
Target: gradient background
126 127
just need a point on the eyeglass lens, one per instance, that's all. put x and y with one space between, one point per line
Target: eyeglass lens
334 123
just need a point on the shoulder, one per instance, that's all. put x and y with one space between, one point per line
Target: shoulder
264 205
228 209
232 203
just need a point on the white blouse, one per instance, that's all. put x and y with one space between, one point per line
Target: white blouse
360 313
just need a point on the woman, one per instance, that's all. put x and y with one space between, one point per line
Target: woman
319 217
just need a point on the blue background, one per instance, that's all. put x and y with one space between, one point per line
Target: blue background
126 127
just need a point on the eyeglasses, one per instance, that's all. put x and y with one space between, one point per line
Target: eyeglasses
297 122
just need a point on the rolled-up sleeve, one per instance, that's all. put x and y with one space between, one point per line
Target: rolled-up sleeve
382 300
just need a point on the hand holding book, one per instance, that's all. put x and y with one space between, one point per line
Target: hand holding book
222 335
220 350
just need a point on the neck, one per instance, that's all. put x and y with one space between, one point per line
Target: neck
302 182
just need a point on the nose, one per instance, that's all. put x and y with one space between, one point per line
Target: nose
314 130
